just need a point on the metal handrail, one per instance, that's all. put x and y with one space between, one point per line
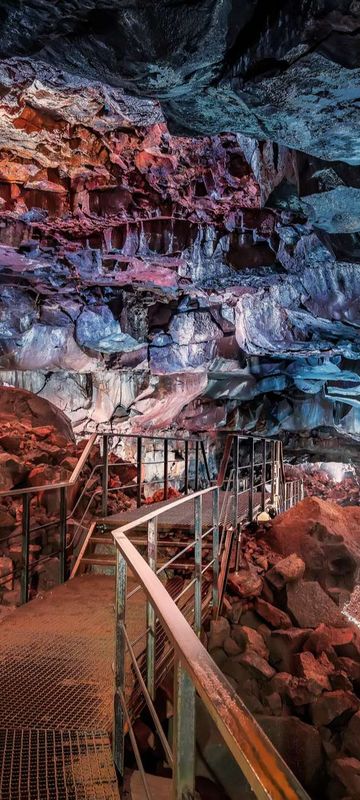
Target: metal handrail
195 671
66 517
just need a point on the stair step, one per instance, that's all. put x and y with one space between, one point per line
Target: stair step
99 561
101 540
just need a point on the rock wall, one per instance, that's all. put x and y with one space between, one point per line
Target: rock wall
151 281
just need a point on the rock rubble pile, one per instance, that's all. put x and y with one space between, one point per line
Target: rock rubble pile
37 448
289 651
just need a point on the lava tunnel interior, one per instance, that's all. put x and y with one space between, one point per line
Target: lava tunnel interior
180 314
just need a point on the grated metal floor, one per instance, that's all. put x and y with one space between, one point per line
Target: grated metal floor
56 765
56 695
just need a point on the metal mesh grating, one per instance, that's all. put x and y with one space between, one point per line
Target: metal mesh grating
55 682
56 765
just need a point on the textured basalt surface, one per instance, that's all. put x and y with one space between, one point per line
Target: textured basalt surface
154 280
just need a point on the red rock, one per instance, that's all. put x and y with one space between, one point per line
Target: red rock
6 573
245 583
283 645
256 664
308 603
285 571
325 638
274 616
300 746
218 632
334 706
7 521
299 690
351 667
347 771
351 740
10 442
12 471
42 431
340 680
248 638
325 535
274 703
231 647
316 671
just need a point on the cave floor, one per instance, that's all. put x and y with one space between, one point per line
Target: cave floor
56 696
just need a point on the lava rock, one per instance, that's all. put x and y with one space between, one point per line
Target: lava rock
273 615
285 571
300 746
334 707
308 603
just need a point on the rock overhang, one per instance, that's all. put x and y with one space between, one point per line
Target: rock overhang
185 260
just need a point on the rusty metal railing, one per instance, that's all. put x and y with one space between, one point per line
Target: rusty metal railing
194 672
194 558
252 472
190 451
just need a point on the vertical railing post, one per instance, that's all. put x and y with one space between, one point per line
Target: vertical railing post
166 469
150 612
62 527
120 616
198 562
139 470
251 486
236 521
186 466
196 487
184 735
236 481
273 445
105 475
215 552
25 548
206 466
263 475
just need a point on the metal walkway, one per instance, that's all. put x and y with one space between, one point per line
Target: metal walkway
180 518
57 654
56 697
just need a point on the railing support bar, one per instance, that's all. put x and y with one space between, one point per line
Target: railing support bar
139 470
263 475
273 446
166 469
251 487
196 465
215 553
206 466
63 527
184 735
236 523
25 548
198 563
186 487
105 475
150 613
120 612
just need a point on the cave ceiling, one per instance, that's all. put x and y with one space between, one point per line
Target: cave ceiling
180 215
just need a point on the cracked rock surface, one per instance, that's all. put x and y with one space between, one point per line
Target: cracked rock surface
151 280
